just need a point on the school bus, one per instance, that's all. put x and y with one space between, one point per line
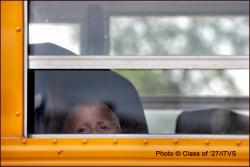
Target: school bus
39 82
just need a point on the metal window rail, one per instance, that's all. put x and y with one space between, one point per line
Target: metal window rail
152 102
138 62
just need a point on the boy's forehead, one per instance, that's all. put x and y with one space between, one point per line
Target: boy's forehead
92 111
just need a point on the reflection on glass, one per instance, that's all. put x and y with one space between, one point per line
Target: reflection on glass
173 97
139 101
84 101
138 28
62 34
189 82
179 35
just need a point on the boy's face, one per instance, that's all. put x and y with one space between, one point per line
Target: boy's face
94 119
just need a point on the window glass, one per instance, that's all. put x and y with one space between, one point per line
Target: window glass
61 34
189 82
180 35
139 101
100 100
138 28
167 94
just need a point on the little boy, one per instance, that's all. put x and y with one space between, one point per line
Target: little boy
96 118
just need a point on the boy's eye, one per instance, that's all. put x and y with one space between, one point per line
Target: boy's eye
83 130
104 127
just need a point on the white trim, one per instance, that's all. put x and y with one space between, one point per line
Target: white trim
138 62
25 70
140 136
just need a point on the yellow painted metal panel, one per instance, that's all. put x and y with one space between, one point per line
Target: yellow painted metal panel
11 68
122 152
63 152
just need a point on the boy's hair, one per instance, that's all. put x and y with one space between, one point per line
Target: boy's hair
100 105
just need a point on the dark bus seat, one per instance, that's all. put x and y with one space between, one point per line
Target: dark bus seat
56 91
48 49
212 121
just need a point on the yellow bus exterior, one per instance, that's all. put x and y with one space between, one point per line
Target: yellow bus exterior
18 150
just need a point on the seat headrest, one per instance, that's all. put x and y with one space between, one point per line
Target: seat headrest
210 121
48 49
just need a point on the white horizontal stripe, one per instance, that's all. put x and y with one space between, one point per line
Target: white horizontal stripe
138 62
135 136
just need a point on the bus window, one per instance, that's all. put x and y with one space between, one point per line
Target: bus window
141 101
135 67
130 28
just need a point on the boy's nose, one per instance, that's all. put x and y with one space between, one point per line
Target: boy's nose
94 131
